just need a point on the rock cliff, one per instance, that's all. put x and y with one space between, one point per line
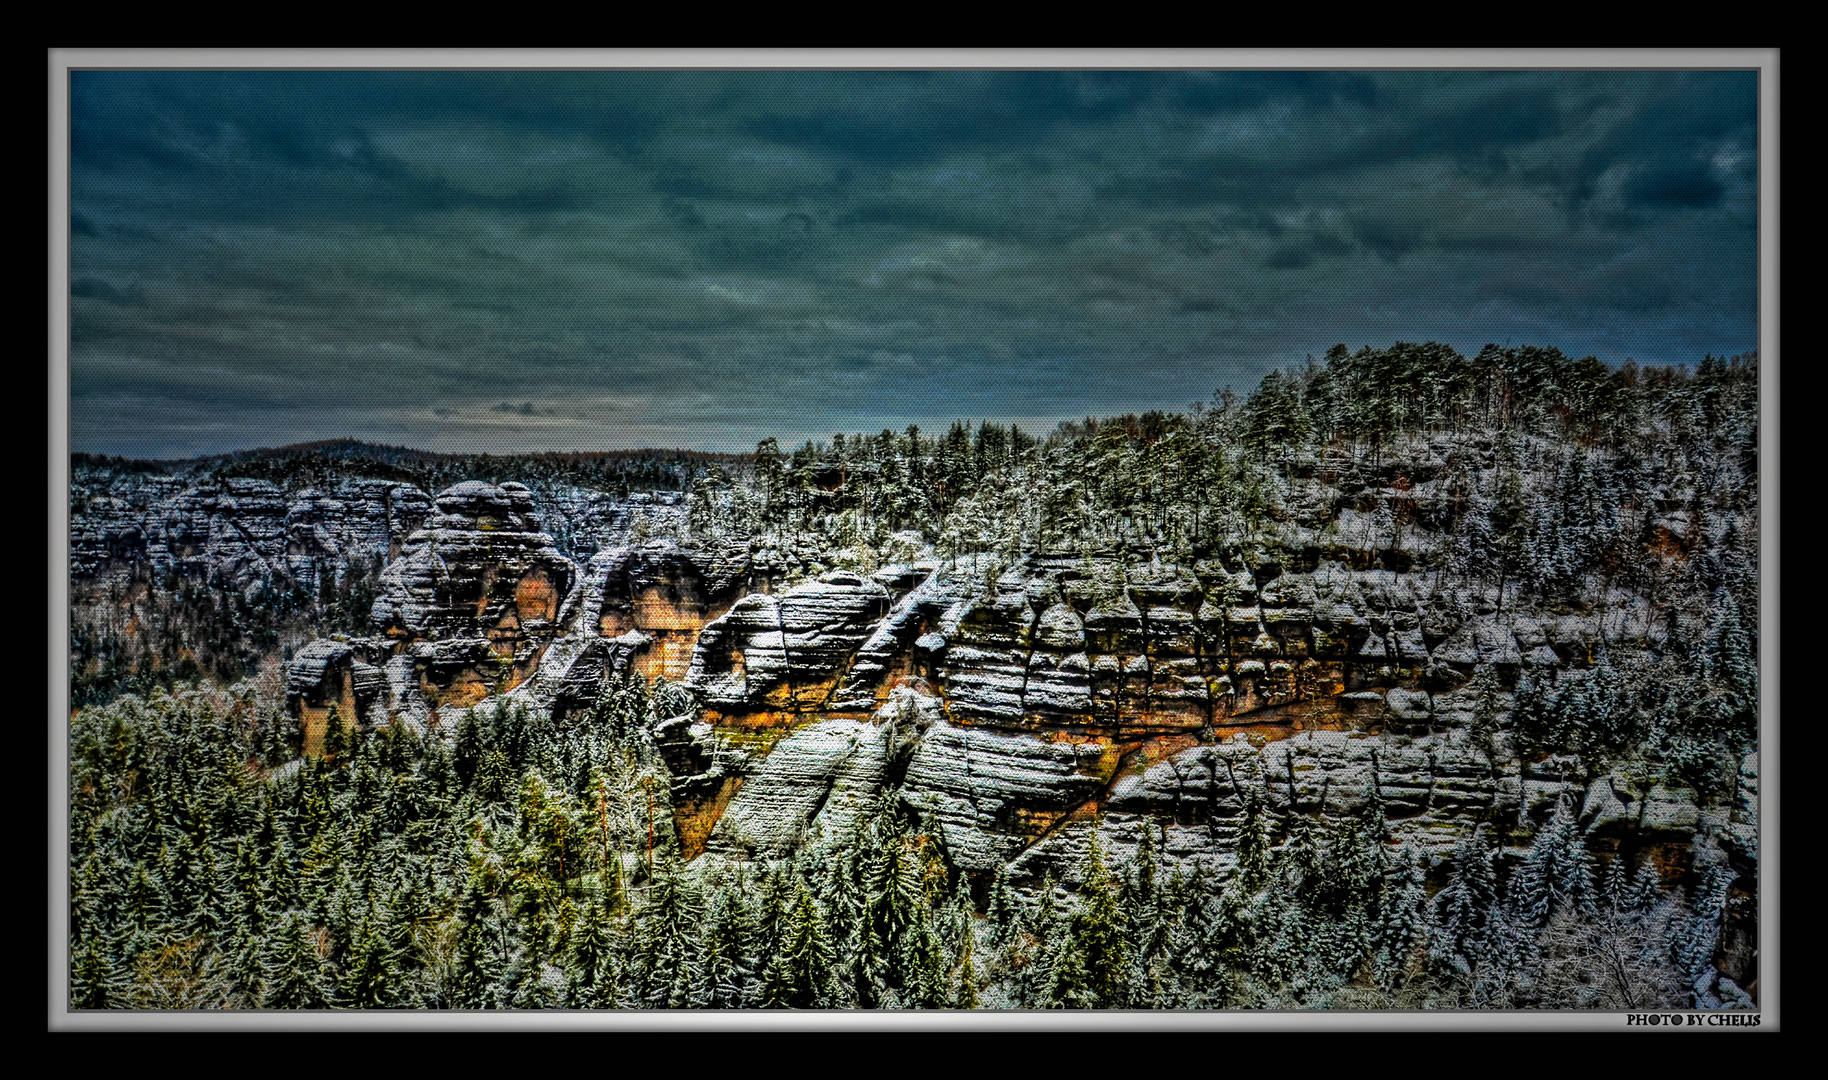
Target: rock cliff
240 530
1021 703
481 602
1031 704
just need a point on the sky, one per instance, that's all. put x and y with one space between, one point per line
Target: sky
590 260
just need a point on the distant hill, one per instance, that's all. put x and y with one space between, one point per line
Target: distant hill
619 471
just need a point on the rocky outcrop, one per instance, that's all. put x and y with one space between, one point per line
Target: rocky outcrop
340 677
583 521
1021 707
480 568
823 777
787 653
468 610
1096 643
1069 690
236 530
665 593
994 794
481 601
1021 710
356 517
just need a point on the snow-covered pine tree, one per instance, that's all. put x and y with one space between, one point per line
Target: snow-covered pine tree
296 978
1465 910
1557 873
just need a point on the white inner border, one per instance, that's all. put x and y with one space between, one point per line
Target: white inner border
62 61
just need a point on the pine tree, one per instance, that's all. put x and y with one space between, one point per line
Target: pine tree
965 974
478 965
1465 910
401 917
296 978
1615 885
469 747
1612 719
923 965
726 969
866 970
207 916
590 943
245 975
1695 934
893 882
1063 978
1003 914
1734 664
496 778
807 950
1644 888
370 979
1189 945
1096 932
1399 918
336 735
670 945
95 981
1557 873
777 983
1533 716
144 903
1253 845
1487 708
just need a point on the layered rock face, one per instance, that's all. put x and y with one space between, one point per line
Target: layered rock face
1032 804
481 567
665 594
1055 697
467 610
1196 799
639 611
246 529
243 530
476 597
1065 695
786 654
582 521
1022 708
340 675
481 601
1115 647
357 516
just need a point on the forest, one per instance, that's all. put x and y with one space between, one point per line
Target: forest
526 862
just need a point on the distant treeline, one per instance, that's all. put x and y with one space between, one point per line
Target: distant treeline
617 472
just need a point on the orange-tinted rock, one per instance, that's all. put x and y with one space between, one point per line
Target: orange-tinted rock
467 611
665 592
327 674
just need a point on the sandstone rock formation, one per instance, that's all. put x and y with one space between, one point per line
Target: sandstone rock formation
481 602
241 530
1035 701
1022 705
786 653
340 675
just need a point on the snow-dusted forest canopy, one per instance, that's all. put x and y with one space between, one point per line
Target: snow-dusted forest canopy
524 859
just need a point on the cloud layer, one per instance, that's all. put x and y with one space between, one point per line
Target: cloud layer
550 260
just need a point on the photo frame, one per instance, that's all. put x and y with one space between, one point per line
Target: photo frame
65 272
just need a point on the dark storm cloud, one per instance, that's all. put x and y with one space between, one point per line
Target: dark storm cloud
1685 185
525 408
694 258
